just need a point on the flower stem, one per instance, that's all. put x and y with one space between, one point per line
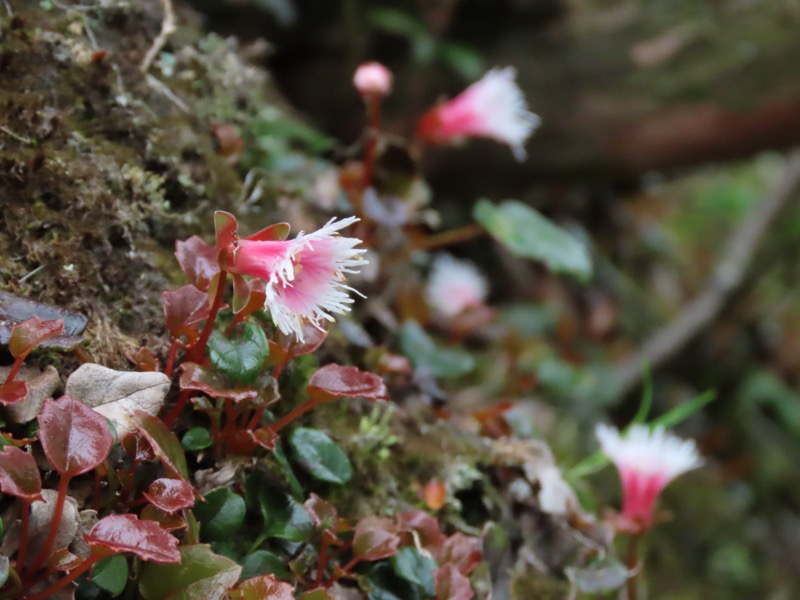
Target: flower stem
61 583
294 414
448 238
179 404
15 368
173 352
44 554
633 566
24 516
374 114
199 348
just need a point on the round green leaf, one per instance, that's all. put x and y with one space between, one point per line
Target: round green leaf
196 439
320 455
111 574
415 567
263 562
527 233
284 517
425 354
221 515
201 574
240 358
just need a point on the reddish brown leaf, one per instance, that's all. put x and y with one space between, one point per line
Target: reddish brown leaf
183 309
195 377
167 522
264 437
434 493
164 443
276 232
461 551
14 309
375 538
426 527
335 381
248 295
27 335
170 495
322 513
75 438
225 227
19 474
263 587
198 261
451 584
62 560
126 533
144 359
14 391
313 338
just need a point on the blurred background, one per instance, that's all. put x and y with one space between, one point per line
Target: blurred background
665 143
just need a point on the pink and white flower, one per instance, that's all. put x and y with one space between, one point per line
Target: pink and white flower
305 276
454 286
647 460
493 107
373 80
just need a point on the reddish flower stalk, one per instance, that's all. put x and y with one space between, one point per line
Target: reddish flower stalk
183 398
15 368
62 583
198 350
24 517
173 353
47 548
294 414
633 567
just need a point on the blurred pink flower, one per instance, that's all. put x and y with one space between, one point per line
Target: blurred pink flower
647 460
373 79
493 107
454 286
305 276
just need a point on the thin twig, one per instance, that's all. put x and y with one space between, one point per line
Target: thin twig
168 26
726 278
160 86
16 136
8 8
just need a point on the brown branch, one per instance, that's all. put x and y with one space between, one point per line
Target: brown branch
168 27
725 279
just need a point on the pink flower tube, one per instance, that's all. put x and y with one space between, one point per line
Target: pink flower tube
372 79
493 107
305 276
647 460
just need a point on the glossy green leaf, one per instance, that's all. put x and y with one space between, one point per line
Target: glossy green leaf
263 562
221 515
283 516
5 568
410 564
240 358
196 439
201 575
111 574
383 583
425 354
527 233
322 457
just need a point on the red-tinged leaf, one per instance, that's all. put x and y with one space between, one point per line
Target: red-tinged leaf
313 338
248 295
264 437
465 553
164 443
14 391
277 354
62 560
335 381
170 495
144 360
434 493
27 335
375 538
198 261
322 513
184 308
225 227
126 533
263 587
424 525
15 309
276 232
195 377
167 522
19 474
450 584
75 438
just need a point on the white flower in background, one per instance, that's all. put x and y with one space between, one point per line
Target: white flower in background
493 107
454 286
372 79
647 460
305 276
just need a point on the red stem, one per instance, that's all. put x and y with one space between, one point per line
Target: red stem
278 369
294 414
323 558
173 352
179 404
199 348
633 567
25 507
15 368
44 554
257 414
374 112
230 419
61 583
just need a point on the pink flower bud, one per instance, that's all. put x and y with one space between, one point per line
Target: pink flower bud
493 107
647 460
305 276
454 286
373 79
